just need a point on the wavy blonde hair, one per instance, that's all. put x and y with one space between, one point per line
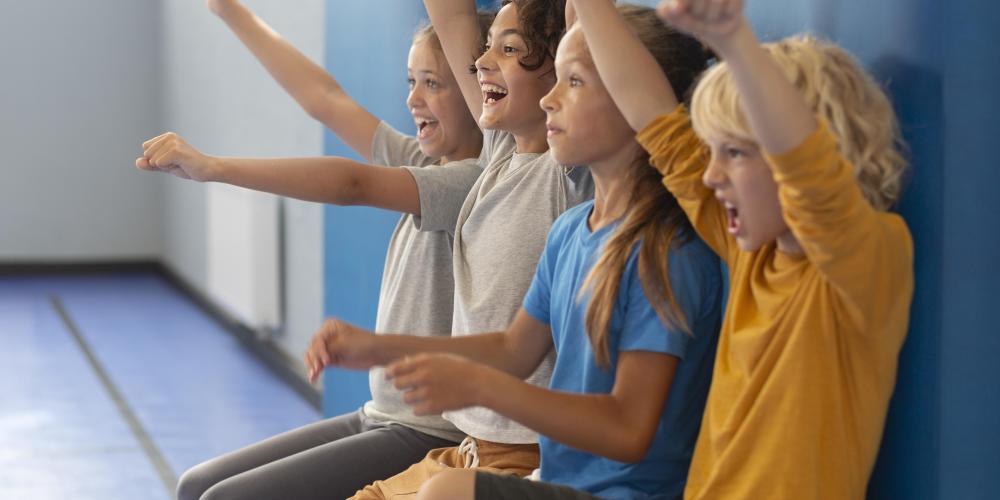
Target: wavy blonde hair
838 89
653 221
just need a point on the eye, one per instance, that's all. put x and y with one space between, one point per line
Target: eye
508 50
410 83
733 153
575 81
431 83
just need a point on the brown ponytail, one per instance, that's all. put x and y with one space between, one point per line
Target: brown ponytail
653 219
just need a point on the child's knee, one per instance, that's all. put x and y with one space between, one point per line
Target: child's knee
451 483
194 482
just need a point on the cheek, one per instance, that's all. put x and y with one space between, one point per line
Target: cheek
529 88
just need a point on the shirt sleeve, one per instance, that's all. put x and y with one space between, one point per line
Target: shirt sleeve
537 302
443 190
696 284
681 158
391 148
858 249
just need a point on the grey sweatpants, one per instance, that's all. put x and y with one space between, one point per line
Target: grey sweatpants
330 459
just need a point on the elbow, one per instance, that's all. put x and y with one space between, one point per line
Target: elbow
317 109
321 104
631 446
350 192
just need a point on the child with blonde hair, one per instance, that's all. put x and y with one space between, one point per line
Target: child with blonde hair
801 163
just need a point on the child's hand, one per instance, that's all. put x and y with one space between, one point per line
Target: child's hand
221 7
171 154
571 12
712 21
339 344
434 383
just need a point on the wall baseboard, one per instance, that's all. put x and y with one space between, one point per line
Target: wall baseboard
276 360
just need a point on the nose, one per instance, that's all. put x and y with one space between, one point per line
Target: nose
549 103
415 98
714 176
485 62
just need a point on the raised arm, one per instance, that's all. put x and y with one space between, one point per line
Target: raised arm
457 26
516 351
316 91
631 74
339 181
778 115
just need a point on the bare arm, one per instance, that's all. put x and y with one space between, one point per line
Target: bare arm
778 115
326 180
316 91
620 425
517 351
457 26
631 74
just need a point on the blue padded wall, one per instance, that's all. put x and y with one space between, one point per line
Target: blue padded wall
939 61
366 49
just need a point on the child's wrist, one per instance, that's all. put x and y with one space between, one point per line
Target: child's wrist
729 45
485 385
218 169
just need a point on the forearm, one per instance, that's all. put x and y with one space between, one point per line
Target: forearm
600 423
304 80
334 180
631 74
491 349
312 87
777 113
457 26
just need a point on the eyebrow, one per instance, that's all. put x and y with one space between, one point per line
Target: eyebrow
508 31
586 61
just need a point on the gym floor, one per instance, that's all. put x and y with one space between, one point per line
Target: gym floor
112 385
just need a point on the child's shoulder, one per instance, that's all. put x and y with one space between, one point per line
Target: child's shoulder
571 219
691 259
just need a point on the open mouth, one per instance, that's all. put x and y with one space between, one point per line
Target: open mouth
732 219
493 93
425 127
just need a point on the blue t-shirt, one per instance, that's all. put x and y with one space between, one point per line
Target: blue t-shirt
570 253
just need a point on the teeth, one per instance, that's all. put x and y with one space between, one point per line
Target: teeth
489 87
490 100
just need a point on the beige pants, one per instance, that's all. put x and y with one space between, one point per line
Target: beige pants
486 456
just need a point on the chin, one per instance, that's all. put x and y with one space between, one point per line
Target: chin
432 150
748 245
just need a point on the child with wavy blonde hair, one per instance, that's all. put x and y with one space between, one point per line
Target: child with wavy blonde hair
785 166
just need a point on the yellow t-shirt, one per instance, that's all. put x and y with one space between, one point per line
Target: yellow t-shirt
809 345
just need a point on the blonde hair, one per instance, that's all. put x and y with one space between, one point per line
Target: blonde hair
427 33
653 220
838 89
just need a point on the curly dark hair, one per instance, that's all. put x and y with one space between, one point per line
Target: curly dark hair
542 25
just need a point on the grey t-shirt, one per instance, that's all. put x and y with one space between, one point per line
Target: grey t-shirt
500 233
417 284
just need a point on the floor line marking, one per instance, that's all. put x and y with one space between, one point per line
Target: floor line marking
163 469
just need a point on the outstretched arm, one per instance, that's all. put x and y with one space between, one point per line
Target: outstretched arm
339 181
517 351
316 91
631 74
620 425
457 26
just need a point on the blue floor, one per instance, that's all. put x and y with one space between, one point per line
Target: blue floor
194 392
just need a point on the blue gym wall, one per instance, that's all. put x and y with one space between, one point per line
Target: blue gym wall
941 64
